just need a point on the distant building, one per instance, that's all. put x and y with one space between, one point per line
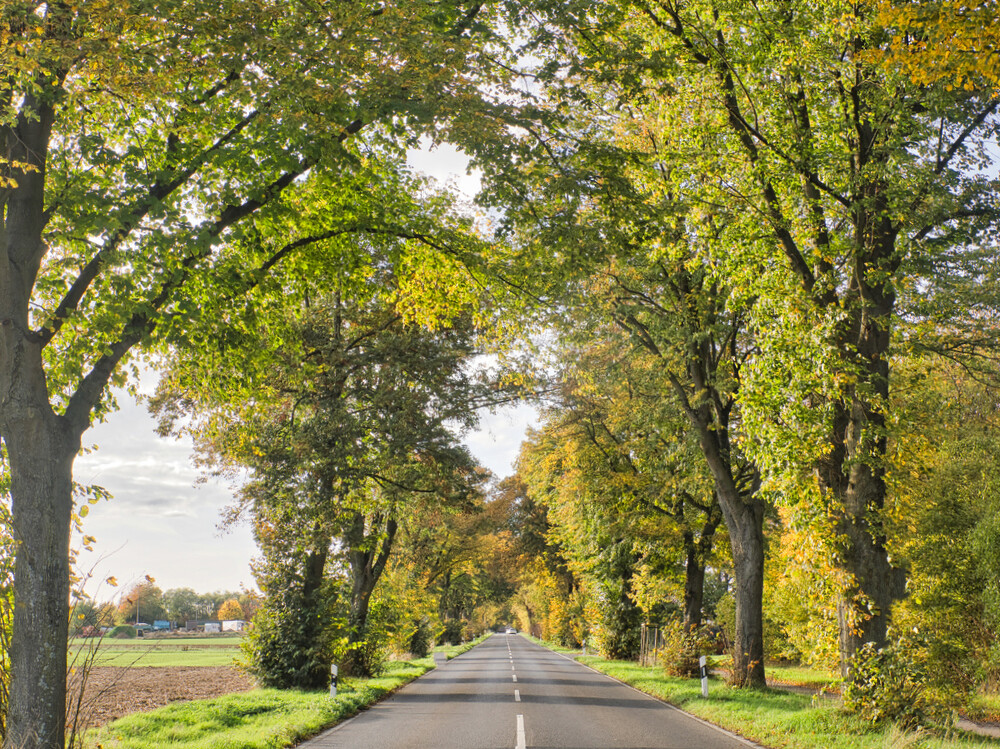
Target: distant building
203 625
233 625
161 625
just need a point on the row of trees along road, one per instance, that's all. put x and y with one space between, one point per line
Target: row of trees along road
780 206
779 219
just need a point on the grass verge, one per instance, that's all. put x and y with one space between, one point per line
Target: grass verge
551 645
985 706
259 719
803 676
774 718
450 651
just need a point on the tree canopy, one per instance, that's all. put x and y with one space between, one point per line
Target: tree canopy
834 198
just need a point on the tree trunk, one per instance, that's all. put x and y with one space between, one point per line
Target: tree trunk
315 570
694 585
855 469
694 569
865 605
745 520
367 565
41 449
743 512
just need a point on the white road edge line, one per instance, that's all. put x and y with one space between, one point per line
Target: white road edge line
514 677
521 743
517 695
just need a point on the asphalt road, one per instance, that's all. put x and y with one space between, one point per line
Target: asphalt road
509 693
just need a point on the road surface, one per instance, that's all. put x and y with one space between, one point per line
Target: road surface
508 693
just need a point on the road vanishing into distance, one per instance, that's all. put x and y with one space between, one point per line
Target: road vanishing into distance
508 693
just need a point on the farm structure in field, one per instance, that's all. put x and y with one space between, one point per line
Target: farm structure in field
203 625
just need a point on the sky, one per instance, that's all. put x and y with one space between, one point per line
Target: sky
164 522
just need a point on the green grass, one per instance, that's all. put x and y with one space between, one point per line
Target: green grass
774 718
153 653
803 676
157 658
259 719
160 643
551 645
985 707
450 651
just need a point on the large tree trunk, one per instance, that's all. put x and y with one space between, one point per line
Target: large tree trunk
41 450
736 488
745 520
864 608
855 469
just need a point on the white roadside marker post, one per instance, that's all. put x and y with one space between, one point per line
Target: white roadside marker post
703 668
333 680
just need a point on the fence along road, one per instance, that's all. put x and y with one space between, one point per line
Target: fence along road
508 693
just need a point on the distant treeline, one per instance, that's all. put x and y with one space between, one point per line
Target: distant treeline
145 602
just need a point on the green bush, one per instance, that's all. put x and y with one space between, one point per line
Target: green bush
618 633
452 632
293 639
680 650
420 641
122 632
890 685
366 658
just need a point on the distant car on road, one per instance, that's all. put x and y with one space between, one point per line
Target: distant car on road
511 631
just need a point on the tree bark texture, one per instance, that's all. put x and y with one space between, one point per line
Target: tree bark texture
737 482
854 472
743 511
745 520
694 588
41 447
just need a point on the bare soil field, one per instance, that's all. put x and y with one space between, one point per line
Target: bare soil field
111 692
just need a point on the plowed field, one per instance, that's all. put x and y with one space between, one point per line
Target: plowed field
111 692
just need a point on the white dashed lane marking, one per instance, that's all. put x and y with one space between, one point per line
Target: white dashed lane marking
521 742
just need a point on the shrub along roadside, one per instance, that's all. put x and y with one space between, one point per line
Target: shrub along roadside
774 718
259 719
